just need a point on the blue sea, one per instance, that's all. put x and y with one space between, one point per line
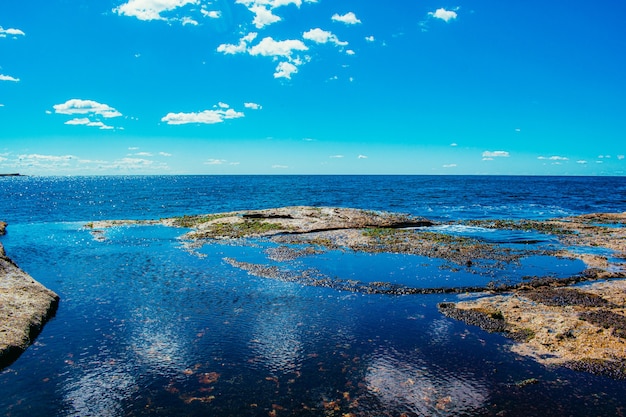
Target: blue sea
146 326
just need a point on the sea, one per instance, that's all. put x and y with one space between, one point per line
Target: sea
147 326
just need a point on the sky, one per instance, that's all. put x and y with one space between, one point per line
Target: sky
119 87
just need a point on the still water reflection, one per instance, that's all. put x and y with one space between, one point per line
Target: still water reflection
146 327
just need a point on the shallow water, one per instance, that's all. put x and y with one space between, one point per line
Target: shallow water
146 327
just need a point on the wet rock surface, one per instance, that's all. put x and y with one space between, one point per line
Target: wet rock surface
582 328
25 306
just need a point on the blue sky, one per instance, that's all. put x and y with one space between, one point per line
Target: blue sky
312 87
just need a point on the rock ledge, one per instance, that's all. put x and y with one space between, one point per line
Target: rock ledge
25 306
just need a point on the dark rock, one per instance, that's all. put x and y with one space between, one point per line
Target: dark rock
560 297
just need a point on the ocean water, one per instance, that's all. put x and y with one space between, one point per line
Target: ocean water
146 327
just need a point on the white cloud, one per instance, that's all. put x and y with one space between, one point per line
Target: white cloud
132 163
350 52
253 106
204 117
223 105
496 154
165 154
46 158
215 161
336 156
263 17
285 69
370 38
280 166
213 14
78 106
10 32
443 14
189 21
269 47
620 157
362 157
84 121
8 78
582 162
554 158
449 166
242 47
56 164
262 10
151 9
454 144
144 154
348 18
322 36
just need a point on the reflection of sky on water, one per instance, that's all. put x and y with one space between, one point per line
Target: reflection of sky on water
439 331
277 342
159 349
98 388
141 321
407 382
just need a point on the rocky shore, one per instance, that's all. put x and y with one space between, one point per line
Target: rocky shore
25 306
582 327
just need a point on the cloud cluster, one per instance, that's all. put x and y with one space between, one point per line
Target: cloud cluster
263 10
186 12
92 110
287 51
70 164
3 34
218 114
79 106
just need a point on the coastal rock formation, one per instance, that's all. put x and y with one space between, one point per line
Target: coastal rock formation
25 306
583 327
292 220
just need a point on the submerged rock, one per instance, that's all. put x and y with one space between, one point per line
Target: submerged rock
25 306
